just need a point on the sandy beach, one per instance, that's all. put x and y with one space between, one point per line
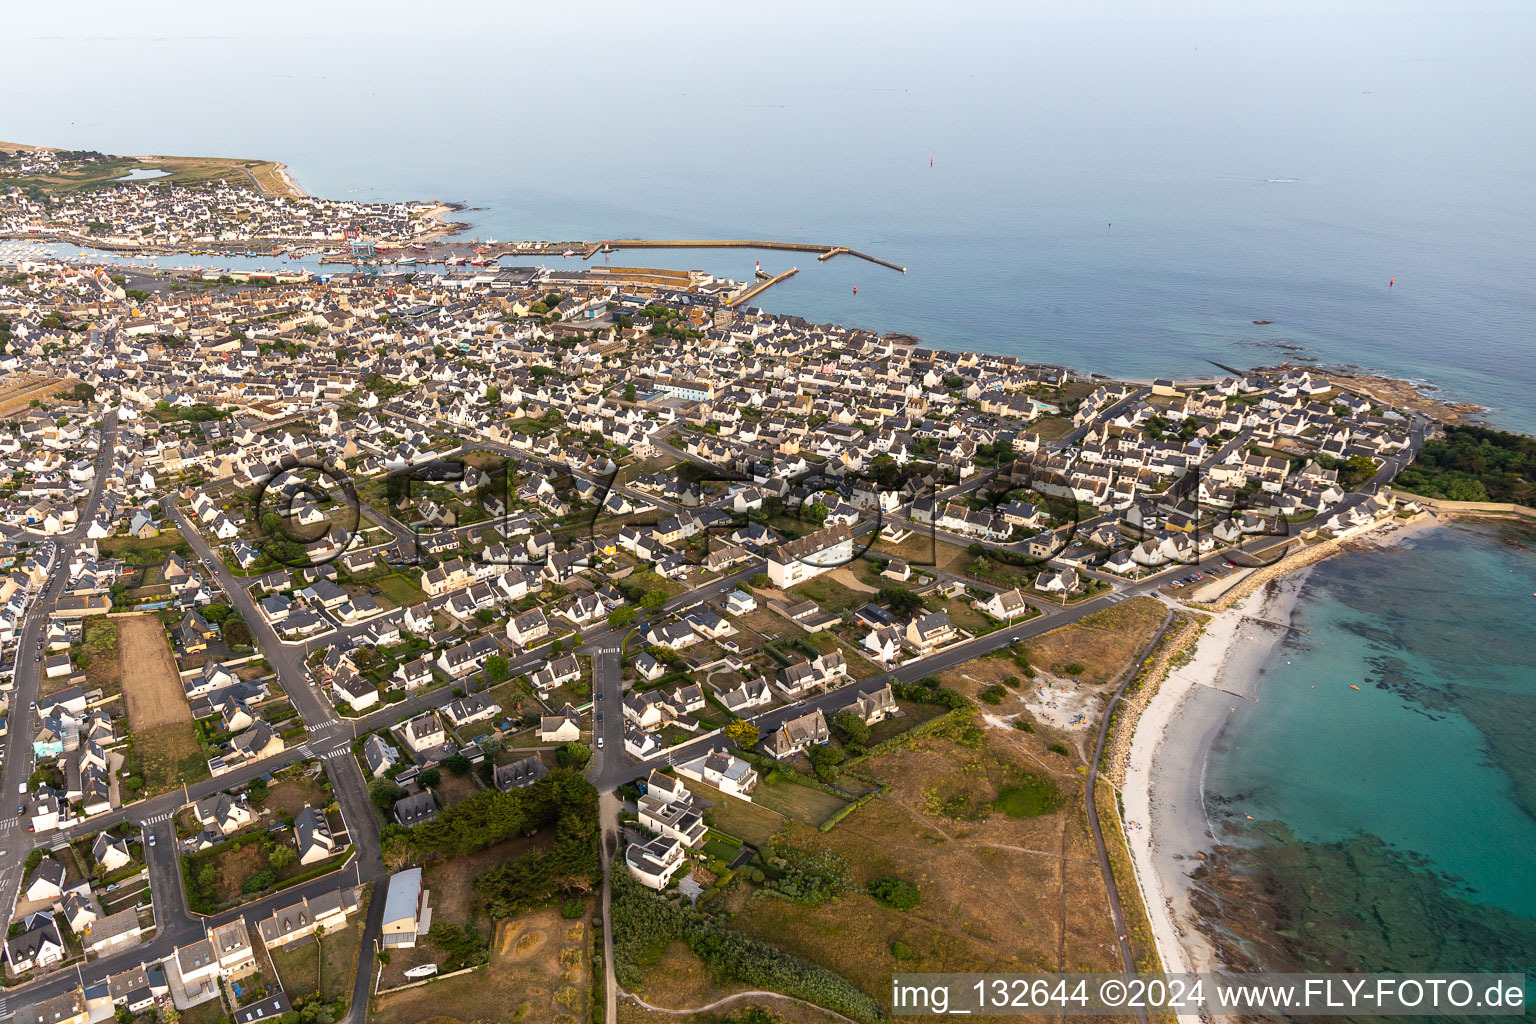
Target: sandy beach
1167 827
280 170
445 227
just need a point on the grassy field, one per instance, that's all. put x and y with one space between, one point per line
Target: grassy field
677 980
145 551
913 714
1101 644
328 968
1051 427
829 595
211 1012
290 793
165 743
99 643
400 590
801 803
180 170
167 755
747 821
964 616
999 893
540 970
919 550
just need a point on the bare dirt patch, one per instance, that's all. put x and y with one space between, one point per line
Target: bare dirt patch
1098 647
165 744
152 690
545 979
846 577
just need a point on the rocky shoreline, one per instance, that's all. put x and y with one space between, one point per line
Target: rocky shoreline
1159 751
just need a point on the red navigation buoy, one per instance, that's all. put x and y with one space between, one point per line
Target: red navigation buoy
855 289
1392 282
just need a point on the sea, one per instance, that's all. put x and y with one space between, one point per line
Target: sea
1101 185
1389 827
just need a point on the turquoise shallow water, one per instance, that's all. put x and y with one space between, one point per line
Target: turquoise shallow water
1399 819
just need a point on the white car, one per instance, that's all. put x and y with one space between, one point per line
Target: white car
599 743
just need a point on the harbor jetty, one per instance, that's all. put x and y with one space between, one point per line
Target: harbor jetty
752 291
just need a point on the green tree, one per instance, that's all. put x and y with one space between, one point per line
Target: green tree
742 733
896 893
429 777
851 727
824 761
236 633
653 599
383 793
899 600
458 764
497 669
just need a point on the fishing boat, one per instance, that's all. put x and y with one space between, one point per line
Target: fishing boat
406 260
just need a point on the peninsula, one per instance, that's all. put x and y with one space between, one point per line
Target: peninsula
523 641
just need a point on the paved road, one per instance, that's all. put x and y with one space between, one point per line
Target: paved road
1116 909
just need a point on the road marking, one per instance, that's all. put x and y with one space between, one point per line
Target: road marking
304 752
7 823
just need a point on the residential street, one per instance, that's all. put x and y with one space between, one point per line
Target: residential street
330 736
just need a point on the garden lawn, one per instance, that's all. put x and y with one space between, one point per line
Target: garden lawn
335 958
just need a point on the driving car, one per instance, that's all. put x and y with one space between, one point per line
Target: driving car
599 743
